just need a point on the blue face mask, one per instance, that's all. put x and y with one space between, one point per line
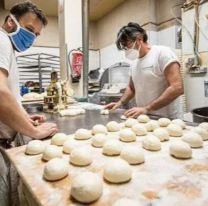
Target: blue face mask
22 39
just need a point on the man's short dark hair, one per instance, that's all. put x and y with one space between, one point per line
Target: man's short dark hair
20 9
129 33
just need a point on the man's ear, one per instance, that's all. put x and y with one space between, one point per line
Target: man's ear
10 24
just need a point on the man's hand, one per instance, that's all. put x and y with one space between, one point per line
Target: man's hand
113 105
135 112
37 119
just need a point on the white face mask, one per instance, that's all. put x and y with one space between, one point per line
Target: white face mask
132 53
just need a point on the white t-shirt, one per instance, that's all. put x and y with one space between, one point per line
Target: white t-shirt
149 80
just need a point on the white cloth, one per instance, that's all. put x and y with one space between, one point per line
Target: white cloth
149 80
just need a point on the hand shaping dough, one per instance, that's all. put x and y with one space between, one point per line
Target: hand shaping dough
59 139
113 126
82 134
112 147
139 129
130 122
69 145
151 125
193 139
99 128
126 202
143 118
55 169
99 139
164 122
117 171
127 135
174 130
86 187
51 151
162 134
35 147
152 143
201 131
179 122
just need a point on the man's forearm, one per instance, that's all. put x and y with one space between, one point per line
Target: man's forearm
127 96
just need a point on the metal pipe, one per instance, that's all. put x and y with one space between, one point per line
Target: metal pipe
85 45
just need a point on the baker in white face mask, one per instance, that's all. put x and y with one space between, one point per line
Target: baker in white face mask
155 80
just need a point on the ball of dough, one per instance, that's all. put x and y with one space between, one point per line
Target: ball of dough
152 143
151 125
113 126
86 187
164 122
139 129
82 134
112 147
179 122
55 169
99 128
193 139
127 135
162 134
201 131
51 151
174 130
126 202
35 147
204 125
104 111
69 145
123 117
59 139
132 155
117 171
130 122
99 139
180 150
143 118
81 156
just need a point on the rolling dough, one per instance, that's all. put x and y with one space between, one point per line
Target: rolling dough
152 143
126 202
127 135
139 129
180 150
130 122
55 169
99 139
143 118
82 134
81 156
152 125
164 122
35 147
117 171
104 111
162 134
59 139
193 139
112 147
86 187
99 128
174 130
113 126
201 131
69 145
179 122
51 151
204 125
133 155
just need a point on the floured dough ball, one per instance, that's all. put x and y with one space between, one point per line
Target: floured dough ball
82 134
104 111
81 156
55 169
69 145
123 117
193 139
179 122
132 155
162 134
152 125
59 139
126 202
99 139
152 143
127 135
174 130
112 147
117 171
164 122
180 150
204 125
139 129
113 126
86 187
143 118
99 128
35 147
201 131
130 122
51 151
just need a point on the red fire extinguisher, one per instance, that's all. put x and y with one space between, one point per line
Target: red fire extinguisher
75 58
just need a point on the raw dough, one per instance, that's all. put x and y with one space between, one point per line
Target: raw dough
51 151
152 125
164 122
69 145
82 134
152 143
126 202
204 125
104 111
99 128
123 117
162 134
179 122
180 149
133 155
71 112
99 139
174 130
86 187
139 129
143 118
117 171
112 147
59 139
35 147
55 169
201 131
127 135
193 139
81 156
130 122
113 126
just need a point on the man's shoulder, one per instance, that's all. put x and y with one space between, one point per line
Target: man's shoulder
4 39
